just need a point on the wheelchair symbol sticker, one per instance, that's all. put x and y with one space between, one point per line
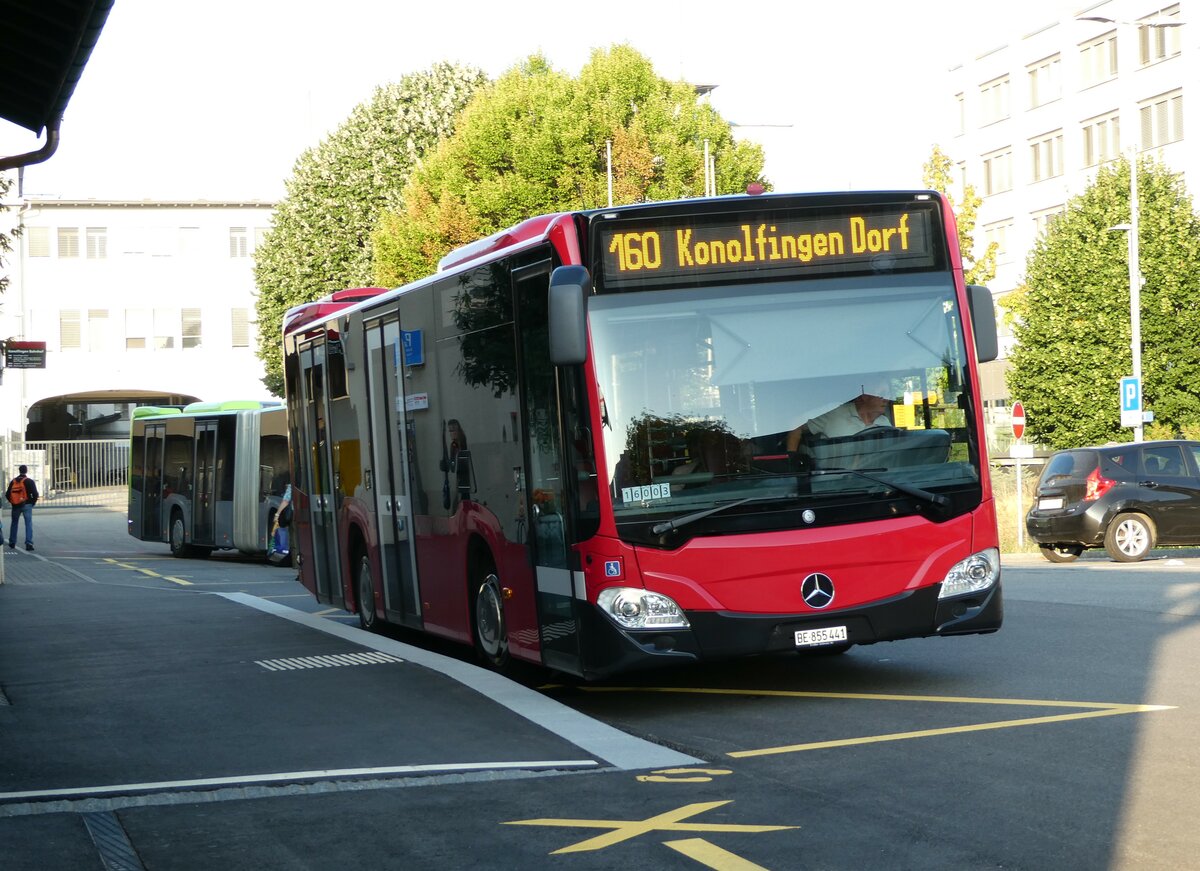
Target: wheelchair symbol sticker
612 568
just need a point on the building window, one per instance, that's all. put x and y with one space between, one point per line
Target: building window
38 241
137 328
98 329
240 324
68 329
998 232
1045 82
1162 119
189 242
97 243
960 105
239 242
191 328
997 172
68 242
993 97
1098 59
1044 218
1045 156
1101 139
1158 43
165 321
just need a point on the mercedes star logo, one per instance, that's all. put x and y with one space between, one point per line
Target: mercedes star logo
817 590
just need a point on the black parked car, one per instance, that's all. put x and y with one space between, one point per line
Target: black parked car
1125 498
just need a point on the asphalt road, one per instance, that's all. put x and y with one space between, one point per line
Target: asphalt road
1066 740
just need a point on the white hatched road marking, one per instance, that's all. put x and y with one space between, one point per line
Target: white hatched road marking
332 660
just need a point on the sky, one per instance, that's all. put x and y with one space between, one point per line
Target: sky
216 100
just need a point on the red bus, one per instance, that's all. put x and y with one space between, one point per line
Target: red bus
626 437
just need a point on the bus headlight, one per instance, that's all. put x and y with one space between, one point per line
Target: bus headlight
972 575
640 609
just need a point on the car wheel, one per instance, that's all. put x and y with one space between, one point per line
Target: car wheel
1060 553
365 590
491 634
1129 537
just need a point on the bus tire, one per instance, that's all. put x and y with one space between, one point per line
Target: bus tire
178 537
487 608
364 591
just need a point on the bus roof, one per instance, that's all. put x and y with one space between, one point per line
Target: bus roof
230 405
319 309
154 411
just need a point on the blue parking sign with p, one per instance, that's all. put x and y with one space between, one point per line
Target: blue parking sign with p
1131 401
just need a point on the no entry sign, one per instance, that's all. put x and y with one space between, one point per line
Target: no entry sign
1018 420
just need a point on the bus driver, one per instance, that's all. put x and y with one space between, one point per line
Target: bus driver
867 409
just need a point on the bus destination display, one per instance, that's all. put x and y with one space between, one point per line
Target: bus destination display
872 239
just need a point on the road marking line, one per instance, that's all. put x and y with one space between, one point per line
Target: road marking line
284 777
949 730
150 573
712 855
624 830
683 775
1089 710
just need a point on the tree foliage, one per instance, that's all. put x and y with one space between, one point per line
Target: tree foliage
5 237
534 142
1073 317
320 237
938 177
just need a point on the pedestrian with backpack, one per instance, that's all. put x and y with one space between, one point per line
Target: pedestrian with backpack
22 495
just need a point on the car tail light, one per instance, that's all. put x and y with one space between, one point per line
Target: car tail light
1097 485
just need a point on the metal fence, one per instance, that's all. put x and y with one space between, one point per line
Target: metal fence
72 474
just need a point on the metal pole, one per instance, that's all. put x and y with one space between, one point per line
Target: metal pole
1135 290
1020 509
608 152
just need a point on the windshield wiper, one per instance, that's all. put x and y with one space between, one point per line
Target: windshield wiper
907 489
678 522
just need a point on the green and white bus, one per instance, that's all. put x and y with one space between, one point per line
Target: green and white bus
208 476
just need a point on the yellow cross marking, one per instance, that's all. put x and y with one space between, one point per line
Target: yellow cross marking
712 855
1084 711
149 572
623 830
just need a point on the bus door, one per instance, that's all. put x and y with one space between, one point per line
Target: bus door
204 500
319 461
547 490
153 525
390 463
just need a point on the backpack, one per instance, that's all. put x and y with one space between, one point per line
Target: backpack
16 492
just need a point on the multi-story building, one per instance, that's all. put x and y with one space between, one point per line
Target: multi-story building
1049 102
137 303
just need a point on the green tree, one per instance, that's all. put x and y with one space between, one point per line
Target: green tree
5 238
1072 320
535 142
320 236
938 177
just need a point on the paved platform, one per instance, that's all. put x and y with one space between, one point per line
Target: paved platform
117 695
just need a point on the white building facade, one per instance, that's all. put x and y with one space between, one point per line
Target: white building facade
137 303
1041 109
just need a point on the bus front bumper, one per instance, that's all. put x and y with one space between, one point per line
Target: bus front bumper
722 634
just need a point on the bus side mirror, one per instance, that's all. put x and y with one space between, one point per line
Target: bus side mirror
983 321
569 289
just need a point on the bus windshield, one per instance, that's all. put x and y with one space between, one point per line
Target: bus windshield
784 389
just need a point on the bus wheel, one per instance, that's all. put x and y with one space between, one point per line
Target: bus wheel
179 546
365 591
491 635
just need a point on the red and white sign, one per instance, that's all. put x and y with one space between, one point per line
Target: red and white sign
1018 420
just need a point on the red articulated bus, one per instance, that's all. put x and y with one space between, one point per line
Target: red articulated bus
658 434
